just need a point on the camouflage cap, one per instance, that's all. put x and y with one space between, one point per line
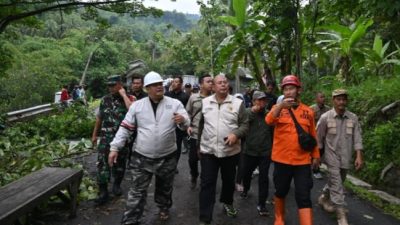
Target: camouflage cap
338 92
113 79
259 95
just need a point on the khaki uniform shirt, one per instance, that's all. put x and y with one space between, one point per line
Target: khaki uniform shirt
193 107
340 135
318 111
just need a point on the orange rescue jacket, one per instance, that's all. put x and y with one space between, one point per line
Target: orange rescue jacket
286 148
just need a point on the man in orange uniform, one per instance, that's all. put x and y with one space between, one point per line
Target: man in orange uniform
290 160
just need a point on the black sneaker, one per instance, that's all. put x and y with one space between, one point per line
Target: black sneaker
262 211
193 183
230 210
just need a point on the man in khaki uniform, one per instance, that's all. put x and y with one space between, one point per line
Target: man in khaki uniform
319 108
339 132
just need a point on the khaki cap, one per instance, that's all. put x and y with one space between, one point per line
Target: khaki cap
338 92
259 95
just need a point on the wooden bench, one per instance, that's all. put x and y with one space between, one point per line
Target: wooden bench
23 195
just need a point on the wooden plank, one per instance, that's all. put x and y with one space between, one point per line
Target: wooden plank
35 181
21 196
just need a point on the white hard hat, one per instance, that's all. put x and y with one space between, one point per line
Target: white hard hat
152 78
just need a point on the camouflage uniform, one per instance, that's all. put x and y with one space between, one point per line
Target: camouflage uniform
112 111
142 168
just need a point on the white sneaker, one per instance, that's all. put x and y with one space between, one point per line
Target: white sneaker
255 172
318 175
239 187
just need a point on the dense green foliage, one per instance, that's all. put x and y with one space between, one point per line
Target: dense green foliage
28 146
56 53
381 133
383 146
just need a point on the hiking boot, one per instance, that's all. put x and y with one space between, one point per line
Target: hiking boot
116 189
341 216
262 210
325 203
230 210
102 197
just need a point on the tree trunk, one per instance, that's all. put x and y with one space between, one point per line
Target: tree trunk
86 68
298 44
256 69
345 68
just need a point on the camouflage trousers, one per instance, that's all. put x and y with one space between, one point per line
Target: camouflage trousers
103 169
142 169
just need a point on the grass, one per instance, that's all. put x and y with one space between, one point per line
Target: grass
388 208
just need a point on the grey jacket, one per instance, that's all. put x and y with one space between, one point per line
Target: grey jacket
260 135
219 121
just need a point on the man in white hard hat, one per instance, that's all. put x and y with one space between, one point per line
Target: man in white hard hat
155 118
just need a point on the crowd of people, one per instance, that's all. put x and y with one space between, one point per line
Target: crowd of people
77 94
144 132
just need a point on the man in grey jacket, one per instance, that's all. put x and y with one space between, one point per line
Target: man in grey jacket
155 118
224 123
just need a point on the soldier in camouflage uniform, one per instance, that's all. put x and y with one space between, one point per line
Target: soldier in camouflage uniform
112 110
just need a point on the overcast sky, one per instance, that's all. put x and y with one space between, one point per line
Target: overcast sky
184 6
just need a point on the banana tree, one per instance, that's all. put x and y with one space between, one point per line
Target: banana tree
378 59
243 42
345 40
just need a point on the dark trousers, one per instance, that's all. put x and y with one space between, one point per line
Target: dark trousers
210 166
283 175
239 172
180 135
250 163
193 158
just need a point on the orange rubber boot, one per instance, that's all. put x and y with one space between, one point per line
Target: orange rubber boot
306 216
279 211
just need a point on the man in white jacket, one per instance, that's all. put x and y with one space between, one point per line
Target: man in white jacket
155 119
224 123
